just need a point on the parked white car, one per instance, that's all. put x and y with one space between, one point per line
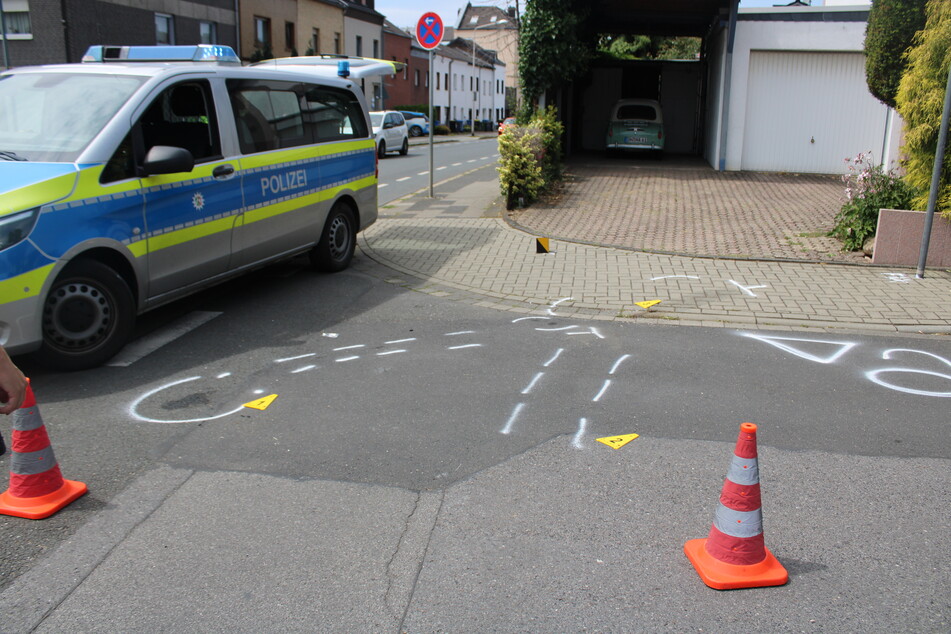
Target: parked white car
391 132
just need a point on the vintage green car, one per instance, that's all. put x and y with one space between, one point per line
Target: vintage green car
636 124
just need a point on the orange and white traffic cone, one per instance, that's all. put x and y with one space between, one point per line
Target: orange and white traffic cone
37 487
735 554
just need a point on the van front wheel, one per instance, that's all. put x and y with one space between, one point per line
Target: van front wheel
338 240
88 316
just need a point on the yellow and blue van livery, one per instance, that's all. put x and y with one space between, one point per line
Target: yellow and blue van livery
148 173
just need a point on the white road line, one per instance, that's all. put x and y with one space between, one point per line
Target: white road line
359 345
604 388
582 427
395 341
386 352
511 421
300 356
483 158
405 178
531 384
165 335
303 369
456 164
423 173
618 363
471 161
459 332
382 185
342 359
552 360
468 345
441 168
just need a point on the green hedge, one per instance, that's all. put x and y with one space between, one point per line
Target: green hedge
530 158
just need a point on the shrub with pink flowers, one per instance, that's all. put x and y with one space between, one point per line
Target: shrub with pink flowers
868 188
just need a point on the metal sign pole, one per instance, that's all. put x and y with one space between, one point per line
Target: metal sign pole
935 180
432 124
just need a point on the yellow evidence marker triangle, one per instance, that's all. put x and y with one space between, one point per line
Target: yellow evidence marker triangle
616 442
261 403
648 303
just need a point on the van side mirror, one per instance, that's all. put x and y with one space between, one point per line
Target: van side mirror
164 159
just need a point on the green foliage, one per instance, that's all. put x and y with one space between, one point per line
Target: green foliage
920 102
868 188
629 47
261 54
520 174
892 25
552 48
531 157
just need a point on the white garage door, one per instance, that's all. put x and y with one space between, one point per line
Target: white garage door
807 112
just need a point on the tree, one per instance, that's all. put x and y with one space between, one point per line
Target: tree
920 101
892 25
552 47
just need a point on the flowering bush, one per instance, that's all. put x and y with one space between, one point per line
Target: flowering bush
530 157
868 188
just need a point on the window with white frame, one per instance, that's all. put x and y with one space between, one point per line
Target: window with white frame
17 14
262 32
164 29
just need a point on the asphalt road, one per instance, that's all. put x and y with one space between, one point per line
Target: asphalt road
378 386
403 175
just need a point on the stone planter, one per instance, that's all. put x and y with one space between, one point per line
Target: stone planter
898 239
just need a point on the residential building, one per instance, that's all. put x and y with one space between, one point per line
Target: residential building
495 29
470 82
45 32
410 87
363 33
321 27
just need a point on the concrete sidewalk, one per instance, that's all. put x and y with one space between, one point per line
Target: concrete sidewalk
459 245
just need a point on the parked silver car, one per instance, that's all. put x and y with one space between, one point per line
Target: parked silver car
391 132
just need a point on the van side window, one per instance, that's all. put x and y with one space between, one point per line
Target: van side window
267 114
334 114
183 116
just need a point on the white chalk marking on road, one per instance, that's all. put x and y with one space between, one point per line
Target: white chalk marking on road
468 345
582 427
556 329
395 341
604 388
844 346
223 375
258 391
329 335
531 384
590 331
899 278
388 352
405 178
665 277
552 360
619 362
344 359
303 369
459 332
551 308
165 335
746 289
524 318
359 345
511 421
135 404
300 356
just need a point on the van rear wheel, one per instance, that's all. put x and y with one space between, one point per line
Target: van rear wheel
338 241
88 316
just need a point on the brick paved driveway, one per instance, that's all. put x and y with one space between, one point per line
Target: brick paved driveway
683 206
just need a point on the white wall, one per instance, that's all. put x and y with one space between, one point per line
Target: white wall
462 100
369 32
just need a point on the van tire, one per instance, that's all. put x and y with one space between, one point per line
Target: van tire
405 149
338 241
381 150
88 316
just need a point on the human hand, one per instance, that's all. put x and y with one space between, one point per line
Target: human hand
12 385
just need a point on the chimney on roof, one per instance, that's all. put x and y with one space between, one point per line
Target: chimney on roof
511 12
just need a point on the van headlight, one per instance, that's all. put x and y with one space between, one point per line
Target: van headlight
16 227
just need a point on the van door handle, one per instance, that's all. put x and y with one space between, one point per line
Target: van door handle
223 171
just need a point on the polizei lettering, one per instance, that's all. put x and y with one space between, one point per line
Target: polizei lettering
284 182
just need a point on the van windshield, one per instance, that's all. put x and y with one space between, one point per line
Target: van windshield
52 117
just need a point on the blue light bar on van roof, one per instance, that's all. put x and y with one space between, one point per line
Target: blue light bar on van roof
195 53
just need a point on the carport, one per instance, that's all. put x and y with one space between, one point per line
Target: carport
778 89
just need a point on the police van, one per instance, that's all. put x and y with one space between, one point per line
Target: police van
147 173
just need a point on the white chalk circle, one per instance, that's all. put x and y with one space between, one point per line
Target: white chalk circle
145 419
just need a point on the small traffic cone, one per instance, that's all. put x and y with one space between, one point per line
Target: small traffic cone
37 487
735 555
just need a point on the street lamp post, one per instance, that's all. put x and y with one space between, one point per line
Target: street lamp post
478 78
